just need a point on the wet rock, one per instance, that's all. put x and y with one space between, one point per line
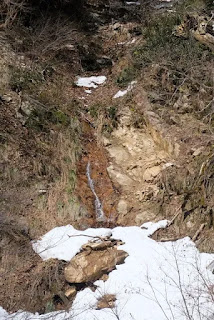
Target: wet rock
89 266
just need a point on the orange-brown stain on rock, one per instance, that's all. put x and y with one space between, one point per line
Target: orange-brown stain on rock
107 193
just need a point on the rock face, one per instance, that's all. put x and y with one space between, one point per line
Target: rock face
90 265
138 156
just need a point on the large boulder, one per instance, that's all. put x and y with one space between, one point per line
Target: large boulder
90 265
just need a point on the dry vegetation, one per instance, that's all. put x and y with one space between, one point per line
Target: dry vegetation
39 147
179 81
40 139
30 283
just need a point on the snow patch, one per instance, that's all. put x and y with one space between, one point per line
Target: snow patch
122 93
158 281
136 3
64 243
90 82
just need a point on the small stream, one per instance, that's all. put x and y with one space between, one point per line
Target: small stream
100 215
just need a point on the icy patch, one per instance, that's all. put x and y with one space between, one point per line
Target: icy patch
122 93
158 281
90 82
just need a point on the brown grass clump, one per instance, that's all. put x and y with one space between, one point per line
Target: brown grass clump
58 205
26 282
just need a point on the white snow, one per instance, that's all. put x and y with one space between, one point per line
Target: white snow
129 3
63 243
158 281
90 82
122 93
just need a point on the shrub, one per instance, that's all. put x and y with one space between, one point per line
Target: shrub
24 79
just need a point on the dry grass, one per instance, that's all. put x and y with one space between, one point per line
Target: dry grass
10 11
26 282
58 205
50 37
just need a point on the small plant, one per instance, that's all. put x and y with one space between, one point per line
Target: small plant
105 116
126 76
22 79
41 118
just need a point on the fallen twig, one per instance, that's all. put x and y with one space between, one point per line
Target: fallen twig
173 219
198 232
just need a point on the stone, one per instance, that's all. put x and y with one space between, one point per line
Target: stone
90 266
6 98
197 152
106 301
119 177
98 245
122 207
26 108
151 173
104 277
147 192
106 142
71 292
104 62
143 217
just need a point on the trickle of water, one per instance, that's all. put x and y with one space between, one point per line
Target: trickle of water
100 215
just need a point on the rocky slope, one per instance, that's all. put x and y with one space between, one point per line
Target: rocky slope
146 131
